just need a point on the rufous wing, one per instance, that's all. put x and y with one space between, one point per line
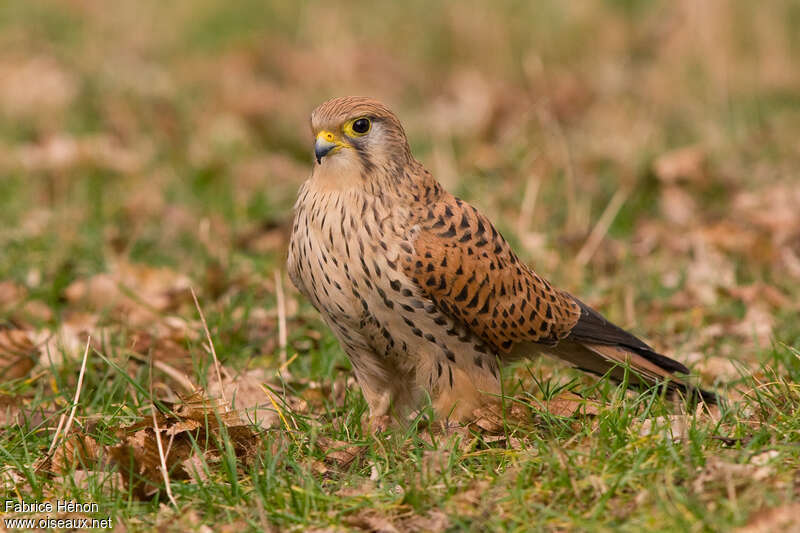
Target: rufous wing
461 262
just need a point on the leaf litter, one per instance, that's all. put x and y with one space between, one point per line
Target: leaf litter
195 431
721 239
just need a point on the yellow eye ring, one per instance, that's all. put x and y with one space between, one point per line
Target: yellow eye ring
358 127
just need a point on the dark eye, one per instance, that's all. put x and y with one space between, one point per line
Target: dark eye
361 125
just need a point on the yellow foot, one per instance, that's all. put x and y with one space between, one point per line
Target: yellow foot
379 424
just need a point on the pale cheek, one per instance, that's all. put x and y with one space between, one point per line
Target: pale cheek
378 147
338 171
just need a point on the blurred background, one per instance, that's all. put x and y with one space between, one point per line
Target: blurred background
642 154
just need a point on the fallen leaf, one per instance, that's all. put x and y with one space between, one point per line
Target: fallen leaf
371 520
18 354
707 274
761 293
11 295
570 404
36 310
772 209
724 474
9 410
269 236
196 424
75 452
366 487
714 367
69 340
12 480
688 163
162 348
431 522
137 294
35 86
677 205
493 420
785 518
675 427
339 453
246 393
757 324
470 500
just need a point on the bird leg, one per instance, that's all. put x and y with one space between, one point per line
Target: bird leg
460 390
378 395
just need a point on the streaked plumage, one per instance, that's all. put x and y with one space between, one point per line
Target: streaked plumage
420 288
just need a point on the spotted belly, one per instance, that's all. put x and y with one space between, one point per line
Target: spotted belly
348 265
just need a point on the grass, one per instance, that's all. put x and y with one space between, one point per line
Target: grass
147 150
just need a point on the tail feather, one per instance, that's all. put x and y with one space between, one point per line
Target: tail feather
604 359
596 342
594 329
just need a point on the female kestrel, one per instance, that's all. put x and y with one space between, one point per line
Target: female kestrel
421 290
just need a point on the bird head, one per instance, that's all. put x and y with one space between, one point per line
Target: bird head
355 135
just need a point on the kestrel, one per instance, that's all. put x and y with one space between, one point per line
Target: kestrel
421 290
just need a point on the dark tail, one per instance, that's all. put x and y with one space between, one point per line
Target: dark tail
598 346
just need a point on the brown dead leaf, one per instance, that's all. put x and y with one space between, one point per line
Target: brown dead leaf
785 519
137 294
108 483
719 473
163 348
714 367
340 387
490 419
707 274
364 488
683 164
772 209
677 205
69 340
736 236
675 427
9 410
371 520
269 236
35 310
246 393
339 453
18 354
200 407
62 152
185 519
74 453
757 325
469 500
569 404
435 461
762 293
33 416
11 479
196 421
431 522
11 295
319 467
139 462
197 467
35 86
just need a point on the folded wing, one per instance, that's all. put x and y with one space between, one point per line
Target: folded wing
463 264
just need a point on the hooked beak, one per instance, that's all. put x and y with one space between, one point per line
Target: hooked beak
324 144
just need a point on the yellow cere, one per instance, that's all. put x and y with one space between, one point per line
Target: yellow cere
327 136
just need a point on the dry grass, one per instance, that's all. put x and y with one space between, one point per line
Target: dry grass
644 155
